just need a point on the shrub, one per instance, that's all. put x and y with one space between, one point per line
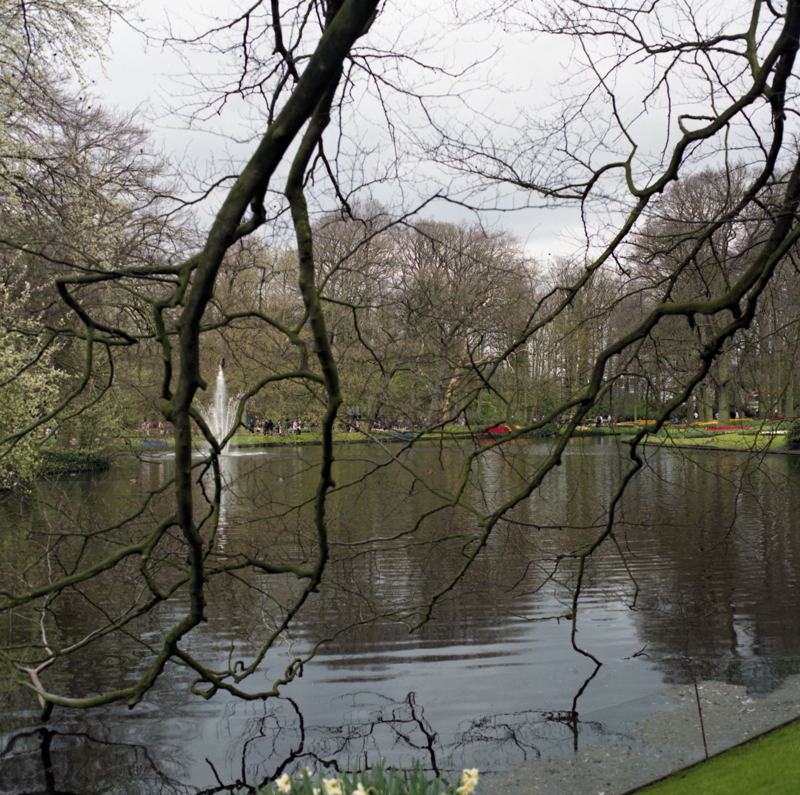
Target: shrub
793 437
58 460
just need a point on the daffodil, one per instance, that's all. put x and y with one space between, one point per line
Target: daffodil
359 790
284 783
469 780
332 786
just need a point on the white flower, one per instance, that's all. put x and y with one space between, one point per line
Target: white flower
359 790
469 780
284 783
332 786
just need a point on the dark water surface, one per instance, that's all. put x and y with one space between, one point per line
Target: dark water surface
701 581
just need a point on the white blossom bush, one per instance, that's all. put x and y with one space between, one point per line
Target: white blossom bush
29 390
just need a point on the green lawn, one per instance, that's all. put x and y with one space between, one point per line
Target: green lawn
689 437
755 438
769 764
720 439
247 439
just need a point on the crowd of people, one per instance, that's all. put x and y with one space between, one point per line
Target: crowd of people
159 428
267 427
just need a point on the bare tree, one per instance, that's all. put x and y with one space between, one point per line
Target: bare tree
737 88
594 157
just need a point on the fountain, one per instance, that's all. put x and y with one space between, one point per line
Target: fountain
220 415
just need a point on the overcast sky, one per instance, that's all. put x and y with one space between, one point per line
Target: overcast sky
521 79
152 79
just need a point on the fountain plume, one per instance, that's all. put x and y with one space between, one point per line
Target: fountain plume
220 414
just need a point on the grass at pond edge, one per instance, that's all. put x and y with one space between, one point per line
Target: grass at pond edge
744 442
62 460
769 763
723 441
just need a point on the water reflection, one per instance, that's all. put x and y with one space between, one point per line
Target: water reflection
63 761
702 582
373 727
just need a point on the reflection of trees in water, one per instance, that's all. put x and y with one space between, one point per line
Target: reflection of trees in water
377 728
721 604
374 728
37 759
718 575
517 737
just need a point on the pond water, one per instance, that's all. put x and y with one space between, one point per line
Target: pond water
701 581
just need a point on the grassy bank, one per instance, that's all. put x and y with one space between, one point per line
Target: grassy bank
245 439
746 435
730 440
768 764
63 460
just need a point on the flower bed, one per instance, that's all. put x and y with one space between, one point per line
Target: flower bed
376 781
